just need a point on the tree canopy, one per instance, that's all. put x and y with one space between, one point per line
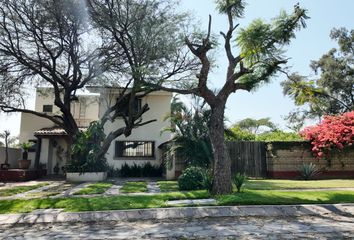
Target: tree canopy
331 92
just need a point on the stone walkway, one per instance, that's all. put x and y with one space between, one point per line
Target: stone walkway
315 227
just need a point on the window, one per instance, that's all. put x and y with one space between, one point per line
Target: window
124 105
135 149
48 108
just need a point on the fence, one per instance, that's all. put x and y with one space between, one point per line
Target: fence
248 158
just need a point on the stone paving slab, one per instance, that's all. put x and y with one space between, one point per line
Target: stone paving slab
181 212
189 202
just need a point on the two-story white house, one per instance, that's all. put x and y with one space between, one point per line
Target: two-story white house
51 148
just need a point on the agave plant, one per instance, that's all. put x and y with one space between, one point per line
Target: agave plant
309 171
239 180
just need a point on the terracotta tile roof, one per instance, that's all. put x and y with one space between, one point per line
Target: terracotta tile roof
53 131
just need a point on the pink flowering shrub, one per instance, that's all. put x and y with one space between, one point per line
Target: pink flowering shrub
333 133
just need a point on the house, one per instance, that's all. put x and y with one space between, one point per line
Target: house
51 148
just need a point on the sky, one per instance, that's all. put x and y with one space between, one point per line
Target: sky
268 101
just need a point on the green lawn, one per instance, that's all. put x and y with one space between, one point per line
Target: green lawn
276 184
134 187
95 188
248 197
19 189
168 186
78 204
267 197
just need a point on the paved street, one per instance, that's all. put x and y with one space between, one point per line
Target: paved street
307 227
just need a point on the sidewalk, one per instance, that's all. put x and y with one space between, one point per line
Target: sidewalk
57 216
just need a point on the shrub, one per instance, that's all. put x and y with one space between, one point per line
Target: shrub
239 180
85 151
308 171
144 170
191 179
278 135
333 133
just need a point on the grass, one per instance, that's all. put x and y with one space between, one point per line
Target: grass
276 184
95 188
168 186
248 197
266 197
19 189
97 203
134 187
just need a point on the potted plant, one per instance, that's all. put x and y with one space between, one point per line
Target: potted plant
5 135
25 163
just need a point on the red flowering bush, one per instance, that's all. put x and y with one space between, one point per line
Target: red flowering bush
333 133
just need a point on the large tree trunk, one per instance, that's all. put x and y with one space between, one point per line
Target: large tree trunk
222 164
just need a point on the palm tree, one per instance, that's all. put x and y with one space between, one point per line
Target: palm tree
190 126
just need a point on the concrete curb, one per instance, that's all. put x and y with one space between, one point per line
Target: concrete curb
55 215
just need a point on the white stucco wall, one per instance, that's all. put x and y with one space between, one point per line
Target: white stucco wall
15 154
31 123
160 106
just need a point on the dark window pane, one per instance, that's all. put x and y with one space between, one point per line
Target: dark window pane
47 108
135 149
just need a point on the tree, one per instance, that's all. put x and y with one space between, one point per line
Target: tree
55 43
255 125
44 42
332 91
260 58
144 37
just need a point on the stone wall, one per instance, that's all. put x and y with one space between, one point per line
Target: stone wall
284 160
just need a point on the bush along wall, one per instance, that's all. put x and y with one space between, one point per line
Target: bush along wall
135 170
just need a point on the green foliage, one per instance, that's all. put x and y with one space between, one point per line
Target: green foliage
86 149
237 7
191 141
239 180
331 92
255 125
191 179
237 134
144 170
278 135
263 42
26 146
309 171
